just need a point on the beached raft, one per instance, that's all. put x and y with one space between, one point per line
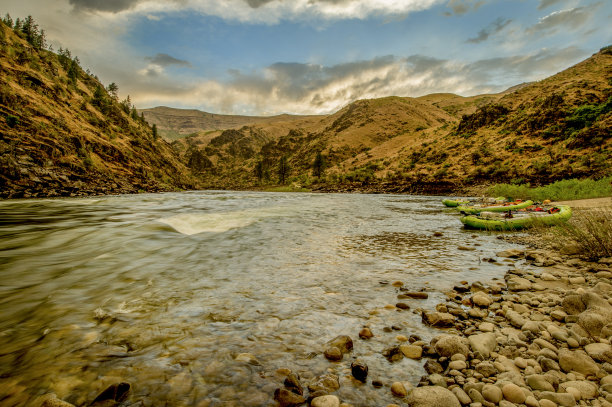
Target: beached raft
476 209
520 220
453 203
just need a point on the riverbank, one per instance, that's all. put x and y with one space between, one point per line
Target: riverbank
539 338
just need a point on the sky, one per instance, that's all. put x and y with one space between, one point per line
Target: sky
267 57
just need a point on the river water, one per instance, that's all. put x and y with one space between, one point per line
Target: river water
167 291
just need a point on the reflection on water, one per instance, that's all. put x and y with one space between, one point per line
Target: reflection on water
165 291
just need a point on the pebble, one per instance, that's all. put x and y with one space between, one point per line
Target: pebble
325 401
398 389
334 354
365 333
411 351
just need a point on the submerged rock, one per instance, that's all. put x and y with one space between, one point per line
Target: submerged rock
359 370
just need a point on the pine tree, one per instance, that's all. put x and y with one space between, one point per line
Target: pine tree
283 170
73 71
318 166
134 113
8 20
99 96
155 135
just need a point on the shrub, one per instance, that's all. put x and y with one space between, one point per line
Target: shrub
590 234
12 121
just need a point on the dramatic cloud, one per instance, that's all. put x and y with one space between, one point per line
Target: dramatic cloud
166 60
572 18
263 11
311 88
493 28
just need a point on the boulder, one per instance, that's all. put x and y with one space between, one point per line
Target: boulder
438 319
591 322
481 299
286 398
588 390
483 344
572 304
577 361
492 393
432 396
562 399
518 284
539 382
513 393
515 319
448 345
601 352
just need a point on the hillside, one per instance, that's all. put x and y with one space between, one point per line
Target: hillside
536 132
176 123
63 134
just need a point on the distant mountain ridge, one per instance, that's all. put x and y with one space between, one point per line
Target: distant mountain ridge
175 123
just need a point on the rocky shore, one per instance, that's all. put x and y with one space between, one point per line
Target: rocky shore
538 338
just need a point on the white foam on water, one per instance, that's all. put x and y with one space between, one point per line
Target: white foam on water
194 223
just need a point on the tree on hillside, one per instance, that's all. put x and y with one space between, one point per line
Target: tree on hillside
155 135
283 170
112 90
73 71
126 104
318 166
33 35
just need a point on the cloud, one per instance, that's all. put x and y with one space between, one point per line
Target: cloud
573 18
112 6
460 7
166 60
493 28
547 3
262 11
315 89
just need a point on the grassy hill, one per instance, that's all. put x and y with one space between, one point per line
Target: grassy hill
537 132
63 134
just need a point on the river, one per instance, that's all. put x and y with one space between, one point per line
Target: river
165 291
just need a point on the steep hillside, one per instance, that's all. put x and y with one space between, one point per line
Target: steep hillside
63 134
177 123
537 132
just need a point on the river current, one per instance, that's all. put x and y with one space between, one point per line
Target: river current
168 292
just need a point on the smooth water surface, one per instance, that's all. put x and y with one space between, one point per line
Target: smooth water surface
165 291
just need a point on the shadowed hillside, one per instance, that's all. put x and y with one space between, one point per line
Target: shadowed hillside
63 134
